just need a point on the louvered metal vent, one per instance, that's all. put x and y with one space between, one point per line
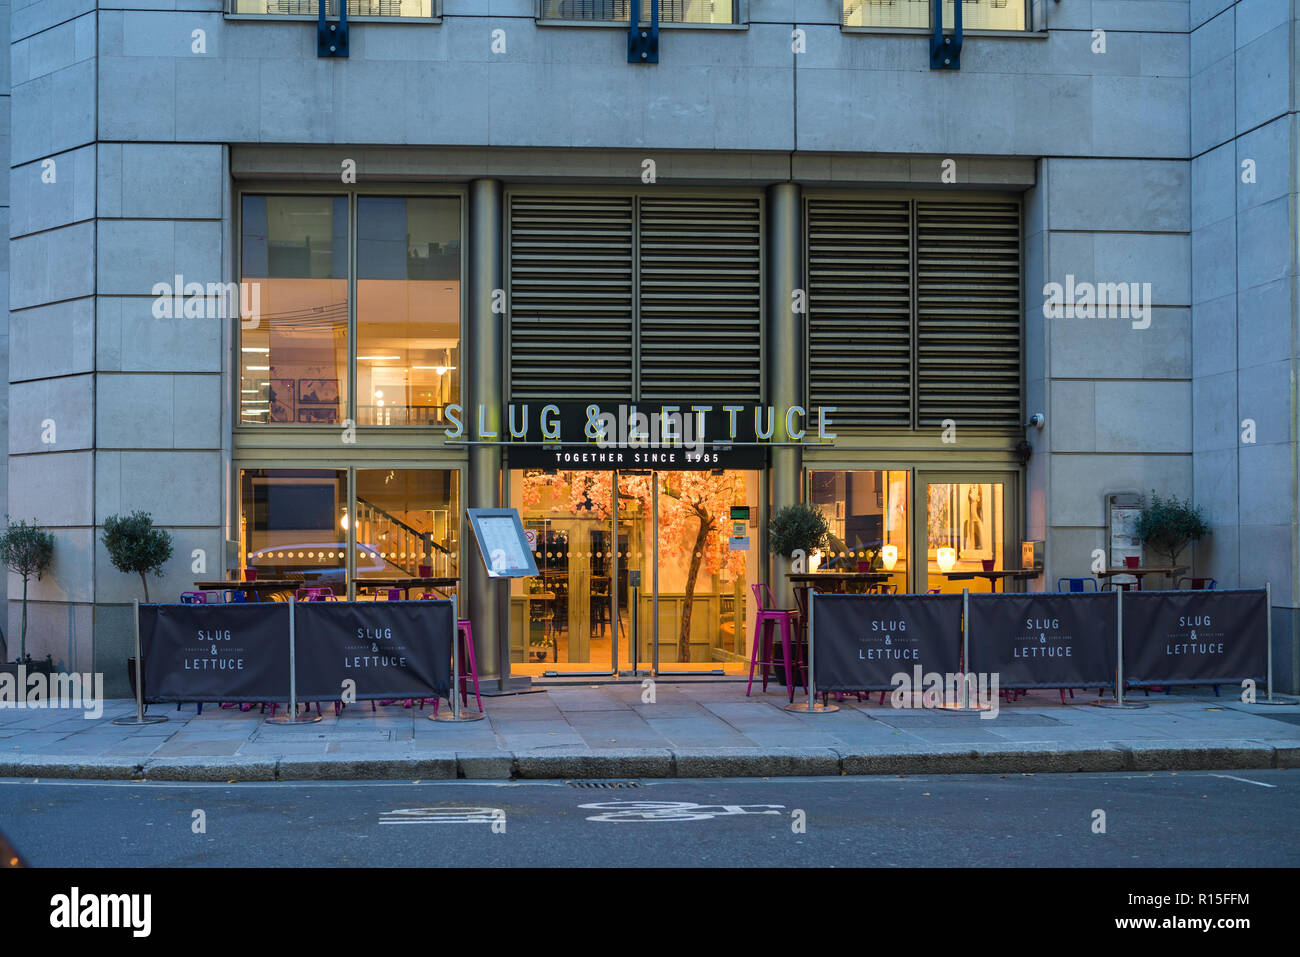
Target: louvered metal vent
571 297
968 313
859 310
700 296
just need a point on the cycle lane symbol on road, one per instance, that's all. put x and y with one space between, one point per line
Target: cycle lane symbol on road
622 811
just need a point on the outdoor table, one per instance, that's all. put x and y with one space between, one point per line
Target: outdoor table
406 584
836 580
994 576
1142 572
260 587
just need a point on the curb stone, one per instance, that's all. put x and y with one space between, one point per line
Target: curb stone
1196 755
475 765
572 763
750 763
985 759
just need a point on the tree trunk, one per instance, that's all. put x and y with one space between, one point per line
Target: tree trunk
145 582
697 553
22 640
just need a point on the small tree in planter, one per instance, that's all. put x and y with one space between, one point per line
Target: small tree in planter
26 550
1168 525
800 527
136 547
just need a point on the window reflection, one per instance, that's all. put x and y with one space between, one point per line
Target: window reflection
867 513
356 8
975 14
406 523
408 309
291 524
294 359
670 11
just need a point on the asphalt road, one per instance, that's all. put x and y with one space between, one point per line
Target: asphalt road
1190 819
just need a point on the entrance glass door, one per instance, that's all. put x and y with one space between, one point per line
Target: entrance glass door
695 538
692 535
965 523
562 621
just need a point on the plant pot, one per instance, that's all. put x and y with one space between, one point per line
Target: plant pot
130 674
37 666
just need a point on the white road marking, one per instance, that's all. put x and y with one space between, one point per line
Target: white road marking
443 815
1233 777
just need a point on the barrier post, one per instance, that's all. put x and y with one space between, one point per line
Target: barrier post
1268 637
964 706
1119 701
140 717
813 706
455 714
292 716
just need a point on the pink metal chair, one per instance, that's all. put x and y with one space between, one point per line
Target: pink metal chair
465 635
766 620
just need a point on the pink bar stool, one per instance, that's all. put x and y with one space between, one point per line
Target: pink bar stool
465 635
767 619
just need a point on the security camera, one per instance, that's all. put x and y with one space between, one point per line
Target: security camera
1037 420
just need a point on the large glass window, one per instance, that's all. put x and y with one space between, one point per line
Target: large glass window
356 8
408 309
294 350
294 347
975 14
867 513
292 524
670 11
406 523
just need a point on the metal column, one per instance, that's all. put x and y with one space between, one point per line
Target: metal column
785 334
484 351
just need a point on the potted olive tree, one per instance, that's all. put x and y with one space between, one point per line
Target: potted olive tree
797 531
136 547
27 550
1168 525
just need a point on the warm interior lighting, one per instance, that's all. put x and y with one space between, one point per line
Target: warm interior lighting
343 522
946 558
889 556
375 358
258 368
254 349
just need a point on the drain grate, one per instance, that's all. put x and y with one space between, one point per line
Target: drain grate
604 785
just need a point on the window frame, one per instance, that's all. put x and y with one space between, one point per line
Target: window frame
1032 30
228 13
741 23
421 435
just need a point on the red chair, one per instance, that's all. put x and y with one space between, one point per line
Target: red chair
765 621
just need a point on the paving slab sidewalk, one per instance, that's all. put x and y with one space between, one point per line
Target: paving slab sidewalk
691 729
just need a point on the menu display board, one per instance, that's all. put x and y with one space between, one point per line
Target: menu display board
502 542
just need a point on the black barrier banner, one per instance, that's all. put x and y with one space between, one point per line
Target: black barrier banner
862 641
1044 640
1194 637
391 649
234 652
